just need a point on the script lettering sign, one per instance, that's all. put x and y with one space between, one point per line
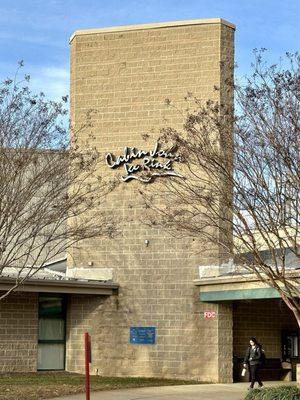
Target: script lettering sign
151 164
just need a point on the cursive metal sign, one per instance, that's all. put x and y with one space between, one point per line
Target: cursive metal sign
154 163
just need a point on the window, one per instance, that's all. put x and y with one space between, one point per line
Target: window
52 332
290 344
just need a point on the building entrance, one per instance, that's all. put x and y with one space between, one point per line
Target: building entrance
275 327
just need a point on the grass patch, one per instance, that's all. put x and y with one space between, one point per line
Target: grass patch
42 385
275 393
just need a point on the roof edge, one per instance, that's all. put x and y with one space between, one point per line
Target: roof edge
61 286
157 25
239 279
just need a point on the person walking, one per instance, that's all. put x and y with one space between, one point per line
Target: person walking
253 359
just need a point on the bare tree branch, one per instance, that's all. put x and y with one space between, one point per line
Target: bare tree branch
51 190
242 193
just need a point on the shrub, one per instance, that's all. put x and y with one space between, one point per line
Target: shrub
275 393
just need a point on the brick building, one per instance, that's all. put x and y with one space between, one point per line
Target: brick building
148 311
126 73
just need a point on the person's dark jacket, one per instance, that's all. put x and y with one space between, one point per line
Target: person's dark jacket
253 355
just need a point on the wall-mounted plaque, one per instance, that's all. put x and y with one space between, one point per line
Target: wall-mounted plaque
142 335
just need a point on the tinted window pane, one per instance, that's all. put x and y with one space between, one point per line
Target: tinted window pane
50 306
51 356
51 329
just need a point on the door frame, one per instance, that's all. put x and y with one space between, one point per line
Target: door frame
63 314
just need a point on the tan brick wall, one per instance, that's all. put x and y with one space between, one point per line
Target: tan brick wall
82 316
263 319
18 332
126 77
100 315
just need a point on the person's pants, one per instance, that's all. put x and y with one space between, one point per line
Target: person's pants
254 375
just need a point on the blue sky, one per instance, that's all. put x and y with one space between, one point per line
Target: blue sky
38 31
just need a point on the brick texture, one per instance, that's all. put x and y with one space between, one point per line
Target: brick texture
126 77
18 332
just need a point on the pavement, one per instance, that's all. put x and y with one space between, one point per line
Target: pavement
219 391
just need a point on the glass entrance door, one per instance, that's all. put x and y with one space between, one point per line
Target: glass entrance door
290 345
52 332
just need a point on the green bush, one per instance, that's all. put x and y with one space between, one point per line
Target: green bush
275 393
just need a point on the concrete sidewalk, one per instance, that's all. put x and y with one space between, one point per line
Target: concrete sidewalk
235 391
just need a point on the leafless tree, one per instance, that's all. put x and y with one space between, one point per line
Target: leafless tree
242 190
50 187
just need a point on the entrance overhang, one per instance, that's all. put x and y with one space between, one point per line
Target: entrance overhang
231 288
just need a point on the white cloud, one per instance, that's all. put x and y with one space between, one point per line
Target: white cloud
53 81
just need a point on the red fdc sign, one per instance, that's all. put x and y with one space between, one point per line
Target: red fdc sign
210 314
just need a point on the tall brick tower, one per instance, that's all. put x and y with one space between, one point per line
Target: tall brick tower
125 74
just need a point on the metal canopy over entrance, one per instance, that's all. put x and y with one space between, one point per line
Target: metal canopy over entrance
238 287
239 294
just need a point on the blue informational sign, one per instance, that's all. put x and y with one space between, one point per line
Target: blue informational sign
142 335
